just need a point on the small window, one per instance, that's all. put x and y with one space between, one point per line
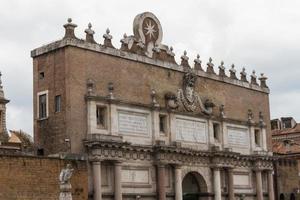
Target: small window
41 75
162 123
101 116
57 103
216 130
42 106
257 137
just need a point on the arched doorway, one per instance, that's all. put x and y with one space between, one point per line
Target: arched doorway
194 187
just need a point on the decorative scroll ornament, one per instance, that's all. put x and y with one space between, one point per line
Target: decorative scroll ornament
147 30
189 98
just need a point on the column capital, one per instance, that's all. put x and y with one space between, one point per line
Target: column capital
177 166
117 162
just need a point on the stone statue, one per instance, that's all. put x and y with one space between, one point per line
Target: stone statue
65 185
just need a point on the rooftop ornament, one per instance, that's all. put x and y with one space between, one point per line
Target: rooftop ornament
107 39
210 67
185 60
263 80
244 75
232 72
69 27
89 34
197 65
170 52
222 69
253 78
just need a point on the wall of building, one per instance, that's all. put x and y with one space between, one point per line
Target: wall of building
53 134
133 82
286 177
34 178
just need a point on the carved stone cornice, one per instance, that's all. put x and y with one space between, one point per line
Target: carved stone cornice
111 150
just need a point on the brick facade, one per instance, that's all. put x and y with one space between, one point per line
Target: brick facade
34 178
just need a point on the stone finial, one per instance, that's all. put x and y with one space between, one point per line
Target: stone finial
250 116
69 27
111 88
90 86
170 52
244 75
210 66
261 119
153 98
222 111
263 80
185 60
253 78
222 69
89 34
107 39
197 63
232 72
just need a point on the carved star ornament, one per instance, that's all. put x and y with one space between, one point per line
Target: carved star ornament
150 28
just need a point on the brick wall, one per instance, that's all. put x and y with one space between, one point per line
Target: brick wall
33 178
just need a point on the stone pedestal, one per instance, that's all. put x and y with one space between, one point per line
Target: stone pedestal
97 180
65 192
161 187
178 183
259 191
217 184
270 185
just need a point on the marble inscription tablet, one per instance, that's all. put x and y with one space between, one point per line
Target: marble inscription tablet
135 176
238 137
133 123
190 130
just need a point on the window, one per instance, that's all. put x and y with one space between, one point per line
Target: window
101 116
257 137
57 103
41 75
162 123
42 106
216 131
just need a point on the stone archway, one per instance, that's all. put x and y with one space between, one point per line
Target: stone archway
194 187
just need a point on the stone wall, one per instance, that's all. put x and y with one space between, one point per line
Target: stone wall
24 178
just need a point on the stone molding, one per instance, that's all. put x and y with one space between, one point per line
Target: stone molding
74 42
106 150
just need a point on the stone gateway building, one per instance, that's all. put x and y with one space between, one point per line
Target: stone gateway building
152 128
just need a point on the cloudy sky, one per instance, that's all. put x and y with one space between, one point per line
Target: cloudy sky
255 34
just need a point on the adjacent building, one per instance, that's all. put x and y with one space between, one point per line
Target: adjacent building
286 146
149 127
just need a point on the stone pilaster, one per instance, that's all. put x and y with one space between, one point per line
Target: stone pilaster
217 183
230 184
259 191
178 183
118 182
270 185
161 186
97 180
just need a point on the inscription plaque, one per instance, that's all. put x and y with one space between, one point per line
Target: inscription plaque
135 176
238 137
190 131
133 123
241 179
